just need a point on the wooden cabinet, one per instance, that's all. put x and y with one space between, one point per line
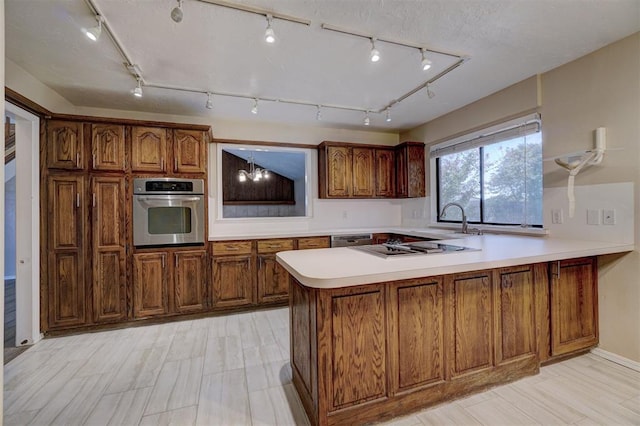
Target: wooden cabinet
233 274
150 284
64 145
410 169
313 243
385 175
273 279
574 305
67 304
108 248
148 149
367 171
190 281
159 150
107 147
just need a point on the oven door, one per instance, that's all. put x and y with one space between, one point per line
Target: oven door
168 220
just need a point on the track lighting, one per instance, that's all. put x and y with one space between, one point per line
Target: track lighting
388 117
137 92
176 13
367 120
254 110
426 63
430 93
269 34
375 54
209 103
93 34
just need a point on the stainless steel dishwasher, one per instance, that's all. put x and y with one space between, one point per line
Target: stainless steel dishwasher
351 240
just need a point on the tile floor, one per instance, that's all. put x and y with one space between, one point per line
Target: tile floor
234 370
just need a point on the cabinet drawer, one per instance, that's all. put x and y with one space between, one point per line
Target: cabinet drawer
274 246
232 247
313 242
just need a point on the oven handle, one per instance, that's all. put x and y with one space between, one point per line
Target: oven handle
166 198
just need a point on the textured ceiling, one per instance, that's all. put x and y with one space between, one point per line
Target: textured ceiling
223 50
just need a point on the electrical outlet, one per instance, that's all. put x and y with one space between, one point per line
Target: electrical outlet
557 216
344 214
593 217
609 216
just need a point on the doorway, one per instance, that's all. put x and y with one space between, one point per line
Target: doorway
22 229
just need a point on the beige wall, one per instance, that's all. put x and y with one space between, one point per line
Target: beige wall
600 89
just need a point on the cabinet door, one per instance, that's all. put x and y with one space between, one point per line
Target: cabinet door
402 180
108 228
385 174
363 172
338 171
148 149
189 151
410 170
574 305
515 317
469 331
107 147
190 281
150 284
273 280
66 237
65 145
417 334
233 281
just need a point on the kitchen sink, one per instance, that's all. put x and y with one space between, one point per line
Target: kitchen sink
418 248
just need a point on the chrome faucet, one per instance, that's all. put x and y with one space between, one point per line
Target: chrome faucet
443 214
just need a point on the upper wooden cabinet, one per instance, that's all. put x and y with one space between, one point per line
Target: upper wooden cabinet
148 149
410 170
65 142
158 150
367 171
107 147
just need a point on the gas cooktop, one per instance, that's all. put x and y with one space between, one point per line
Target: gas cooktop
408 249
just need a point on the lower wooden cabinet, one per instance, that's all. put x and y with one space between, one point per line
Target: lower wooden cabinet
150 284
273 279
233 280
190 281
574 305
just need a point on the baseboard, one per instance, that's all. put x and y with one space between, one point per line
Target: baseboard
626 362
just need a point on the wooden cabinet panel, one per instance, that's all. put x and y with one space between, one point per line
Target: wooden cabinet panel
410 170
515 317
108 248
65 142
107 147
148 149
363 173
339 171
67 304
470 310
313 243
150 284
302 332
231 247
385 174
273 280
233 280
274 246
574 307
189 151
190 293
358 342
417 334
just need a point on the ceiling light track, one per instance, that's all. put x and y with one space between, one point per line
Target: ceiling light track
257 11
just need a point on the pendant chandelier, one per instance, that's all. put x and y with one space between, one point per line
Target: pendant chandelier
255 174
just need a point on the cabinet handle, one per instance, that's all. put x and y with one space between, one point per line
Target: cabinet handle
93 160
93 199
175 165
162 164
231 248
78 159
275 246
77 199
176 261
162 262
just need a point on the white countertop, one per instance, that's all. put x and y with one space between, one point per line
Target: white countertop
344 267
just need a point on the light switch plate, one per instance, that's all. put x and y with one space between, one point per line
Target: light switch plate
556 216
593 217
609 216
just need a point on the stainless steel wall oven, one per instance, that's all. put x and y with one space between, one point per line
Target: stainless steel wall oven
168 211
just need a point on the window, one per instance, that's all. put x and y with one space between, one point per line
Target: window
494 174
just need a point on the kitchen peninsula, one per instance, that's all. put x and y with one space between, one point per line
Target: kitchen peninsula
374 338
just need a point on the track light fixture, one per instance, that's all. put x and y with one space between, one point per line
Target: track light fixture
426 63
375 54
93 34
367 120
430 93
137 92
209 103
269 34
254 109
318 114
176 13
388 116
